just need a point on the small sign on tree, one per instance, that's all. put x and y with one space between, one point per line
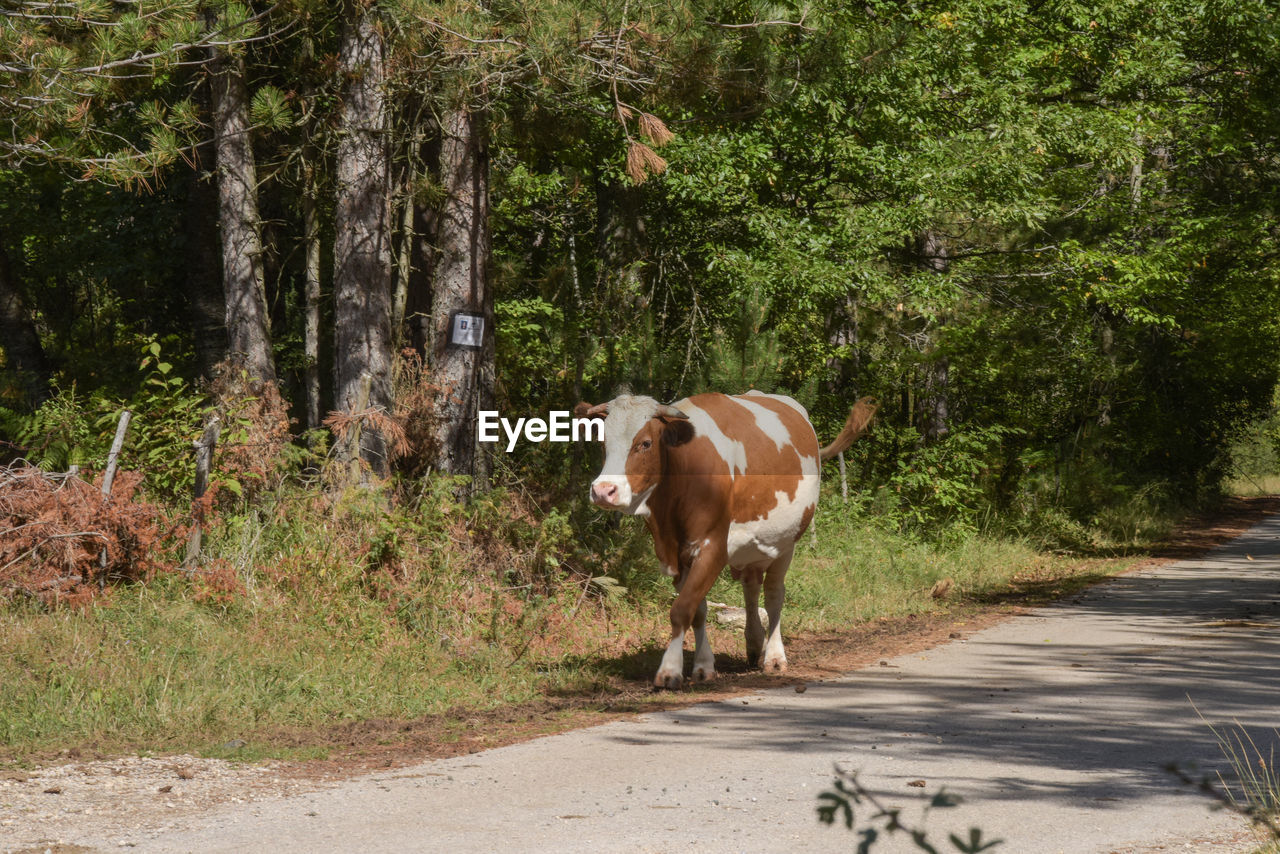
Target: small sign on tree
466 330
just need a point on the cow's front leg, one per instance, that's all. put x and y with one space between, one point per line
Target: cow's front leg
690 610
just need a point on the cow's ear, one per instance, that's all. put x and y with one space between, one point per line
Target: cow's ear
580 411
676 431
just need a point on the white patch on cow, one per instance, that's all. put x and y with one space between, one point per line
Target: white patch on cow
768 422
640 503
782 398
627 416
765 539
670 570
733 452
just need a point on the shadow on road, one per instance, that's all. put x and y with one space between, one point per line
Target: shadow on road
1113 686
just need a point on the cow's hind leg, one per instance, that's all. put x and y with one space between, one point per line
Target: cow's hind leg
704 660
775 657
752 578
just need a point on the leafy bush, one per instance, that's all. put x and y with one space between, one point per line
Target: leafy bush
1253 453
71 429
946 484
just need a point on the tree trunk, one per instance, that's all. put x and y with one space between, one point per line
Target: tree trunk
362 234
461 283
311 303
22 349
933 401
203 273
423 254
248 330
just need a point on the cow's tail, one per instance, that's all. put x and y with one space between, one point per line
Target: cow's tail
854 426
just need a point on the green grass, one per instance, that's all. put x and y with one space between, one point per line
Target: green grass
331 616
152 670
1254 792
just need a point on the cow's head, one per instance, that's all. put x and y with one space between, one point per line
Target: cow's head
637 432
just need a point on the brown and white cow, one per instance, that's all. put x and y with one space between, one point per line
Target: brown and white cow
719 480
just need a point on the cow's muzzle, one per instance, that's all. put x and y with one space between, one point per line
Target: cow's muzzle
604 494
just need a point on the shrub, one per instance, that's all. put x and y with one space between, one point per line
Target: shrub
61 540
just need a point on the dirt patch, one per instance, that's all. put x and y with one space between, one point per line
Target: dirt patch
124 799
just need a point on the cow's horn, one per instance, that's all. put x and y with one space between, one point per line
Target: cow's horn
598 409
667 411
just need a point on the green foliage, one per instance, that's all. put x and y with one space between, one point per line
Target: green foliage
70 429
1254 453
166 420
944 484
54 437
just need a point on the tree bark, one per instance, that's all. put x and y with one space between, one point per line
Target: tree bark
311 303
248 329
203 274
423 254
933 401
21 342
362 233
417 306
461 283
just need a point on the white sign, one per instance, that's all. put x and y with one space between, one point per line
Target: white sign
466 330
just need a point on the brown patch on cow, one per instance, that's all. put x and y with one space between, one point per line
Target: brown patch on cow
644 459
690 503
770 469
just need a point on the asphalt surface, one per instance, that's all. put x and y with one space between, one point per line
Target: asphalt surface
1054 727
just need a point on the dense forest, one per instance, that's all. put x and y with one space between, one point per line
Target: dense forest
1042 234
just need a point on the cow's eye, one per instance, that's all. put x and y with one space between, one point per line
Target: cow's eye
645 443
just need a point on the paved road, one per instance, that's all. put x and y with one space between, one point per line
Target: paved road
1054 727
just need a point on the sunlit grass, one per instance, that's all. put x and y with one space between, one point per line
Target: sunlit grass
1268 484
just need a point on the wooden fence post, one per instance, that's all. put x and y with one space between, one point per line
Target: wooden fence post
108 478
113 457
204 460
